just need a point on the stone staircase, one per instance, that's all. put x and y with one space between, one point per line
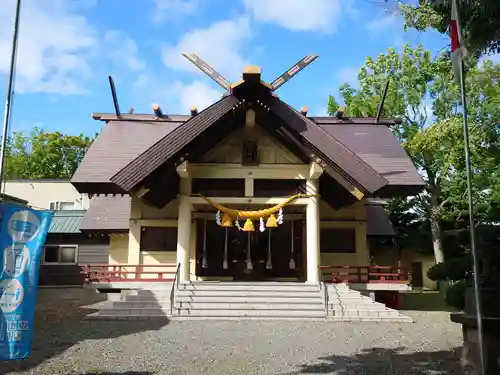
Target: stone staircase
348 305
151 302
247 300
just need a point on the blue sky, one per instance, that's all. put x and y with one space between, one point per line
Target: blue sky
67 48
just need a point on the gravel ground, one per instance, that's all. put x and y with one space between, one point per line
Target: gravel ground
73 346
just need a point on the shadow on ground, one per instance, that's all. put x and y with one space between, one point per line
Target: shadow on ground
382 361
60 323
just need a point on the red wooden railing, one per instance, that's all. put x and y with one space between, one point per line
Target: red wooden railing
95 273
365 274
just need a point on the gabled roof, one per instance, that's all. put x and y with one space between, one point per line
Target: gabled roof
172 143
143 150
319 143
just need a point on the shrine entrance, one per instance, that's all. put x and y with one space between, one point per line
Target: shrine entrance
229 252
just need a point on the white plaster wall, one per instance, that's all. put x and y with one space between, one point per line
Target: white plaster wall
40 193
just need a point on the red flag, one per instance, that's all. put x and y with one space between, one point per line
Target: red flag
458 51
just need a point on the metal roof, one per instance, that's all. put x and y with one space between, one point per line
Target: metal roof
108 213
66 221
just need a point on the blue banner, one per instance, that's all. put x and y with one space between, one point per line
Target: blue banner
22 236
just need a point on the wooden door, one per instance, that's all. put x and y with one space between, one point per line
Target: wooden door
417 277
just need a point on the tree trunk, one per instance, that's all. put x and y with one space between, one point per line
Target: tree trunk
437 243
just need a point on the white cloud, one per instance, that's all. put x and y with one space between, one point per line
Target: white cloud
220 45
178 96
298 15
164 9
123 50
195 93
52 40
58 47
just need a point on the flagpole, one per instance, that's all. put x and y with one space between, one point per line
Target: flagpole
10 87
472 228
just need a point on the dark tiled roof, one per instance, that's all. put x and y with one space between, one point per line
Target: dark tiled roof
66 221
118 143
107 214
325 120
171 143
339 156
377 221
377 146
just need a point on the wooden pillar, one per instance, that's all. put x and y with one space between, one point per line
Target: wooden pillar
312 233
184 229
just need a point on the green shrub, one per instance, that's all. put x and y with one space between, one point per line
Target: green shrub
455 295
454 269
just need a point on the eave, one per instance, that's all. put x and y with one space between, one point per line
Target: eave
332 152
172 144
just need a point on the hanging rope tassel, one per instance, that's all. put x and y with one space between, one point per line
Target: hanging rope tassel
269 264
249 254
225 264
292 248
204 261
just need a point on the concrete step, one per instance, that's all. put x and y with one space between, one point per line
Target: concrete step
400 319
365 313
140 304
251 283
259 298
141 298
151 285
249 306
248 293
251 312
247 287
246 318
102 316
350 298
119 311
371 307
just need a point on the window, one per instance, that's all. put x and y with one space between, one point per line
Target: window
60 254
338 240
56 205
158 238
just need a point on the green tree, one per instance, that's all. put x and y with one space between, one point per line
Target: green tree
332 106
422 93
44 155
479 19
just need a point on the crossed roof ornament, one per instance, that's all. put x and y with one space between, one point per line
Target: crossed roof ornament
224 83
